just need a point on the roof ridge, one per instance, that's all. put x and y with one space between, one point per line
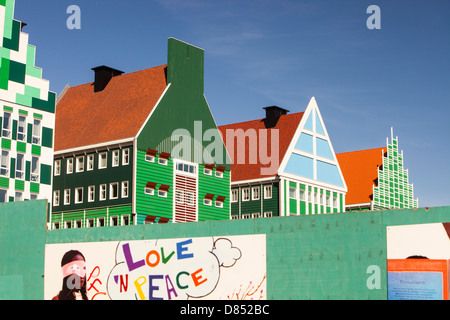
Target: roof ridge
259 120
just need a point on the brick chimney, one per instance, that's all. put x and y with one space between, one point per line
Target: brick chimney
273 114
103 75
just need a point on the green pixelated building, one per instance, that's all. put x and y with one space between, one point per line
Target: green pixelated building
27 116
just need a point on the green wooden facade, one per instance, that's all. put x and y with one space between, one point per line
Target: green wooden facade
158 189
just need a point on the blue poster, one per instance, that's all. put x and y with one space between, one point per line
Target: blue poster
415 286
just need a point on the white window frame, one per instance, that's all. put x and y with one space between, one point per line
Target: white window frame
4 168
102 192
77 195
245 194
162 193
125 156
57 168
100 221
256 193
36 136
219 204
302 194
111 190
7 127
20 174
207 202
162 161
18 196
69 165
125 220
268 214
111 221
290 192
100 166
235 195
207 171
21 134
66 197
79 164
35 174
124 189
115 158
219 174
268 192
89 162
77 224
91 223
149 158
91 193
56 198
149 191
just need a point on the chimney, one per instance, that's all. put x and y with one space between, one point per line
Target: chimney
103 75
273 114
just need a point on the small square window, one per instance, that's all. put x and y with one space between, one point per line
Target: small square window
149 191
162 161
219 204
207 172
114 221
292 193
101 222
207 202
90 223
162 193
149 158
219 174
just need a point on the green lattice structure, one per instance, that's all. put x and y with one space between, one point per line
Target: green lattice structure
27 116
394 190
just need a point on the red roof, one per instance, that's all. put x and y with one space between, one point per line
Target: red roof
360 170
118 112
287 125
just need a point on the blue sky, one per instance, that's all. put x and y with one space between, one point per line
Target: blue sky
266 52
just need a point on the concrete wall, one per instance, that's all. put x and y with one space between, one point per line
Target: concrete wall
308 257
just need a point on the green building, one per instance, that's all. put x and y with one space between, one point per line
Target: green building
129 148
283 165
27 116
377 179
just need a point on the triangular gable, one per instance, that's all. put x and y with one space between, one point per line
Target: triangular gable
311 155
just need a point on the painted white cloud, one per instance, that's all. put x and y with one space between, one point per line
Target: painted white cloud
169 269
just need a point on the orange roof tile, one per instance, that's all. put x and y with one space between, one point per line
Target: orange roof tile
287 125
118 112
360 170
